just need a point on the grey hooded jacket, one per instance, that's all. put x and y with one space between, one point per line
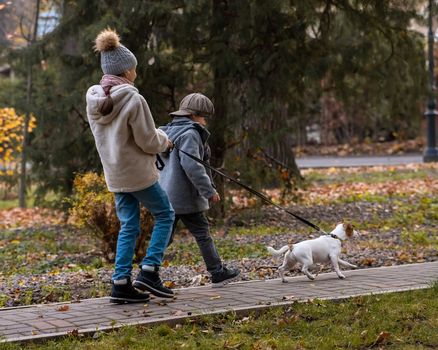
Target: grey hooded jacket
188 184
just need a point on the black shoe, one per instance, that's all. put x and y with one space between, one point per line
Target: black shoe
126 293
224 276
150 281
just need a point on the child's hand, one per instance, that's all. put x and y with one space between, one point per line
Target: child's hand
215 198
169 145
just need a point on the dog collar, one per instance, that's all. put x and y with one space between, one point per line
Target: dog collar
334 236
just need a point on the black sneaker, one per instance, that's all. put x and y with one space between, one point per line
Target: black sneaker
224 276
150 281
126 293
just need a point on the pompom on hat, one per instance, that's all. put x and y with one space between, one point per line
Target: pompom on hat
114 57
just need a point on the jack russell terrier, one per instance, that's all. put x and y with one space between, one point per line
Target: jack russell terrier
323 249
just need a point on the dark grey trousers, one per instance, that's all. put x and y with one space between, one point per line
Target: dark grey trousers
198 226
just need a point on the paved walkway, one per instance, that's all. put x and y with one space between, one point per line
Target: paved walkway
351 161
88 316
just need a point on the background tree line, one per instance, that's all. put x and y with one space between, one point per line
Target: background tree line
272 68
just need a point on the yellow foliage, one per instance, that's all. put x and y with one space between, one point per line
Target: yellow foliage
11 135
93 208
90 192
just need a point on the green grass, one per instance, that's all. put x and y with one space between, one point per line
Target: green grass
188 253
30 252
49 252
408 213
50 197
405 212
368 177
362 197
410 320
8 203
258 230
419 237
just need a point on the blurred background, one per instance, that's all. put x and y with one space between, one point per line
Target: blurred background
288 78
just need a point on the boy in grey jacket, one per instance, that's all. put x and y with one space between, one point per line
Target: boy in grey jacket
189 184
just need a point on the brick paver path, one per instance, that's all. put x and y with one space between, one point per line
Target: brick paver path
87 316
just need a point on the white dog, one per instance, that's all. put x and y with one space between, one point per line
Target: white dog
323 249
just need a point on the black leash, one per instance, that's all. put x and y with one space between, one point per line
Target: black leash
251 190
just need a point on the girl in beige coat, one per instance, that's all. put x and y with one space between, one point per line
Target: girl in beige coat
127 142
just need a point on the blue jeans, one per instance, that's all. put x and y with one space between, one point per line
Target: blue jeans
128 212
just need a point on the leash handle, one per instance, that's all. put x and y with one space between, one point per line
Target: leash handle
249 189
159 163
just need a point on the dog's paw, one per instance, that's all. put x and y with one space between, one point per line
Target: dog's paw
341 276
354 267
284 281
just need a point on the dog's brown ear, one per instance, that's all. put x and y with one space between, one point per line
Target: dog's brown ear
349 230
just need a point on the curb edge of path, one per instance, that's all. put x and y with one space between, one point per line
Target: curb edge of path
173 320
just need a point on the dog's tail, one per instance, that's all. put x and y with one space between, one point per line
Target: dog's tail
280 251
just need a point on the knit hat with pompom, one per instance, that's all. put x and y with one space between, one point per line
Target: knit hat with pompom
114 57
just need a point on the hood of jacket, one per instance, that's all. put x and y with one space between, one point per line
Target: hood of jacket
180 125
95 97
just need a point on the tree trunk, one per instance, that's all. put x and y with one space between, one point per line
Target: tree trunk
22 183
219 122
218 144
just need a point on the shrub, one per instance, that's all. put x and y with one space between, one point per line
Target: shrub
93 208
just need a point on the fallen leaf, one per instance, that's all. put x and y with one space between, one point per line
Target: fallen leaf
73 333
198 280
178 313
367 261
63 308
215 297
169 284
232 346
287 320
382 337
97 335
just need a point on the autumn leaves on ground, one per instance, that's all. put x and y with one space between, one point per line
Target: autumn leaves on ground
44 259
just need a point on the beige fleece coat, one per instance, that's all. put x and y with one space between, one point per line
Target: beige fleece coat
126 139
